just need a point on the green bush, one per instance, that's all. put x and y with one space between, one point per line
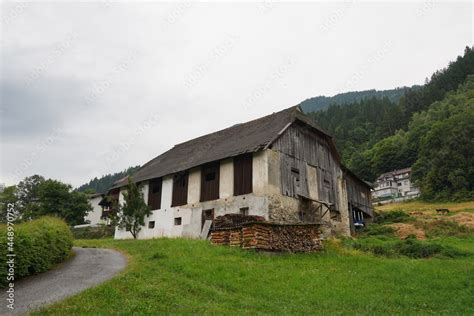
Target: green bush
392 217
410 247
38 246
444 228
97 232
378 230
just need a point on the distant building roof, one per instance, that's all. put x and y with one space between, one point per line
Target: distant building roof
394 173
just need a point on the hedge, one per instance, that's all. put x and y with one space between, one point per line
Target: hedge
97 232
38 246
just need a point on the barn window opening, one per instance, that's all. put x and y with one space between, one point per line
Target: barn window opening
154 194
243 174
180 189
177 221
210 181
151 224
244 211
335 215
296 175
207 215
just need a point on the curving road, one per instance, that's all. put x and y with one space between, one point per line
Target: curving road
89 267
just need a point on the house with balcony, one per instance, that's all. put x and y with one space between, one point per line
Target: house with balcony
394 186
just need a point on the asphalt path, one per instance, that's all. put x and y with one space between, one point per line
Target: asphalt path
89 267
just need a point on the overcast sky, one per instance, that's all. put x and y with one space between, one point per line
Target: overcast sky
92 88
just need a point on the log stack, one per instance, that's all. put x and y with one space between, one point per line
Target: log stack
269 236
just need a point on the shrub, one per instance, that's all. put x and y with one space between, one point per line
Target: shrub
97 232
444 228
38 246
392 217
378 230
410 247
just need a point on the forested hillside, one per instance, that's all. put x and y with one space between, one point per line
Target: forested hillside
322 102
102 184
377 135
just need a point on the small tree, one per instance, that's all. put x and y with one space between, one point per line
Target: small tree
131 215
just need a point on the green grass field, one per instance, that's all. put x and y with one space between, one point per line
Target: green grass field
178 276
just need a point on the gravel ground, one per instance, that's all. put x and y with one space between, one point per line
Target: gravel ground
89 267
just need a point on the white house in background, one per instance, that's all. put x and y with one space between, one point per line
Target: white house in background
282 167
394 186
98 215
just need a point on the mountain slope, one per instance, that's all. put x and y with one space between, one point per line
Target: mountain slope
322 102
102 184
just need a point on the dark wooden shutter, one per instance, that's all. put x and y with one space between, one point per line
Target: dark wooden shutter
210 182
243 174
154 194
180 189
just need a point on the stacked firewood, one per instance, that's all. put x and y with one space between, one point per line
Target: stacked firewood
269 236
256 236
235 238
221 237
295 238
235 220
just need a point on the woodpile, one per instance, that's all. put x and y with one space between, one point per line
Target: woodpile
235 220
269 236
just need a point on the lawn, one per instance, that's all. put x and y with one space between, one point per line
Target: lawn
422 206
179 276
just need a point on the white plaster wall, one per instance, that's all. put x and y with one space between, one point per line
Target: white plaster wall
191 214
226 178
194 185
260 172
273 182
93 217
122 233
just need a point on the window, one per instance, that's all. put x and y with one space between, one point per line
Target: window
207 215
296 176
180 189
151 224
177 221
243 174
154 194
335 215
399 183
244 211
210 182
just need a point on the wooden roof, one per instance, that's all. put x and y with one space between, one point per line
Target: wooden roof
242 138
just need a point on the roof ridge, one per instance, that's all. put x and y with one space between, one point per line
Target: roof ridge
290 109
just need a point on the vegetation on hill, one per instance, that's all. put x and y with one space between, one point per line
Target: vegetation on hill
38 245
430 128
322 102
102 184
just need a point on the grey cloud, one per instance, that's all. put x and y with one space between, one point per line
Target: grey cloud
29 111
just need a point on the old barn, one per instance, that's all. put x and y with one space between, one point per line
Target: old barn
282 167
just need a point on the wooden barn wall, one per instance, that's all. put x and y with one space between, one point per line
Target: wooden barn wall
358 194
300 146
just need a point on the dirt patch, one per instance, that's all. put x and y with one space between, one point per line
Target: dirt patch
403 230
463 218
